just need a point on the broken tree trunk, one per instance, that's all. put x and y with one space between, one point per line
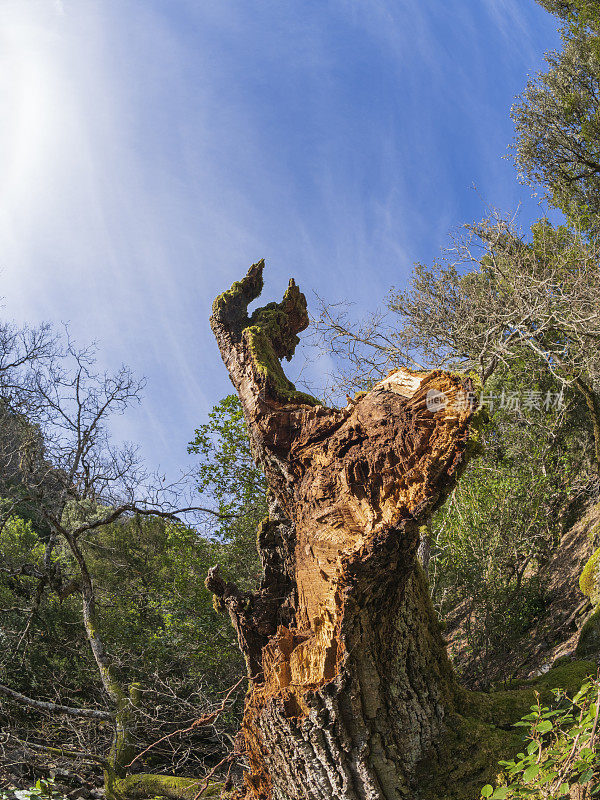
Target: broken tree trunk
349 678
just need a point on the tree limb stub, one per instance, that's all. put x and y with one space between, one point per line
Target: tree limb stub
349 675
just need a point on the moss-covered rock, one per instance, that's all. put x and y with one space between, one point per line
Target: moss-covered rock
588 645
589 582
564 675
504 708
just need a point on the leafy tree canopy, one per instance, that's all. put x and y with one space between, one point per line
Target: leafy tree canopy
227 473
557 117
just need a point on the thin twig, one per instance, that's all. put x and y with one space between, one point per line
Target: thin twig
207 719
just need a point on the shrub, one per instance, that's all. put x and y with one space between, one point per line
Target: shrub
43 790
561 751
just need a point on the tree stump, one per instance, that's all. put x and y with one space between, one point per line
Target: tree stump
349 678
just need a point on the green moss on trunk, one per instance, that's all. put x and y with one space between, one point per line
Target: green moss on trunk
480 733
270 369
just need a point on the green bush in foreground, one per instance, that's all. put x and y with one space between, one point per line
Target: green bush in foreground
43 790
561 750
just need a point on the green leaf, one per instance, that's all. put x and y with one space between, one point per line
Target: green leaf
501 793
545 726
530 773
487 790
544 779
586 686
564 789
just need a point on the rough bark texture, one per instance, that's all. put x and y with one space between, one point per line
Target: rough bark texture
349 678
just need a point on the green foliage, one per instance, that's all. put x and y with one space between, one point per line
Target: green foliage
154 613
228 475
226 468
18 538
43 790
495 531
575 12
56 620
556 118
560 750
154 609
156 620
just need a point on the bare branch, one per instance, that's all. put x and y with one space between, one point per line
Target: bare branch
56 708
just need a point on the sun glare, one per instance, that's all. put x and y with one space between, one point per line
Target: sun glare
31 96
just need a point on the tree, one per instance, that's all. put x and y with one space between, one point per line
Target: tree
79 490
504 520
227 475
476 313
496 300
574 11
557 119
157 622
23 351
351 694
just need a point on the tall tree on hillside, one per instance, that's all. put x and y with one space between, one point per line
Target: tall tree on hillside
557 117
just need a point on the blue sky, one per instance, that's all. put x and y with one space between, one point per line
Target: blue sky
152 149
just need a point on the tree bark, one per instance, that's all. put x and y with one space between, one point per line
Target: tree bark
349 678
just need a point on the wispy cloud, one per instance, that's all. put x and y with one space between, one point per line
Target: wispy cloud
150 151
